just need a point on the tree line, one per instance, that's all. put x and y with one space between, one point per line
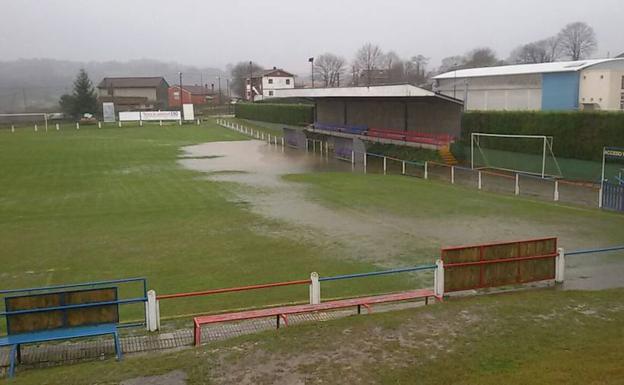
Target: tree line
372 66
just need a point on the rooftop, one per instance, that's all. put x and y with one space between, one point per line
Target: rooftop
525 69
381 91
132 82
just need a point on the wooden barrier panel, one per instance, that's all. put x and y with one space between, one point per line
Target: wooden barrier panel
54 312
499 264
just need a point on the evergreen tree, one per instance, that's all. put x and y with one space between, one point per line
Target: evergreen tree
82 100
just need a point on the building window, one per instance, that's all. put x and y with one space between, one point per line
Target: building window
248 81
622 101
288 82
176 95
270 81
270 93
623 82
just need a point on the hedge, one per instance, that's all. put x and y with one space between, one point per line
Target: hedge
294 114
577 135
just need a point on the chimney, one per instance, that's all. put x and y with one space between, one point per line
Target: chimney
274 67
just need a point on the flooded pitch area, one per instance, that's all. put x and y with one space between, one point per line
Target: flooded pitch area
382 238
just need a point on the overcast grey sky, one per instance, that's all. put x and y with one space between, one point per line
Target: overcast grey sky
285 33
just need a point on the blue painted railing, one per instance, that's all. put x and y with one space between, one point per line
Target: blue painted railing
592 251
382 272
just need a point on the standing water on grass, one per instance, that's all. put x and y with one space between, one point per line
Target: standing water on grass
367 234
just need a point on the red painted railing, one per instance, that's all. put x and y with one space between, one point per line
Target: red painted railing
234 289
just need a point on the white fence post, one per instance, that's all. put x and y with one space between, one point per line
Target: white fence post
315 289
326 148
141 123
438 279
160 123
152 312
403 171
12 128
479 180
384 164
452 174
517 189
57 126
560 265
364 162
119 123
35 127
556 197
77 125
282 142
426 170
99 125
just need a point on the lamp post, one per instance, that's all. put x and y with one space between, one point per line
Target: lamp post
311 60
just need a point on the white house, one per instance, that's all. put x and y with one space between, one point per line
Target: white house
265 82
575 85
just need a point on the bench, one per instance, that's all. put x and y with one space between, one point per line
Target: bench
58 315
16 340
283 312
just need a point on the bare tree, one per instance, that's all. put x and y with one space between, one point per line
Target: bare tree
393 67
330 67
239 73
578 40
367 59
419 64
481 57
452 63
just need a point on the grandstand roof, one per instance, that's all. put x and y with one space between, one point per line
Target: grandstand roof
380 91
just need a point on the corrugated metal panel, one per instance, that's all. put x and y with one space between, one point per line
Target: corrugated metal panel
560 91
523 69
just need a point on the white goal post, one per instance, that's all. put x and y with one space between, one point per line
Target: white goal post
45 116
547 142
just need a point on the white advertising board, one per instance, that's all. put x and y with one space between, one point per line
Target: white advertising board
189 113
160 115
108 110
129 116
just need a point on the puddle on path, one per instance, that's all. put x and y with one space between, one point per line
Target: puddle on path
384 239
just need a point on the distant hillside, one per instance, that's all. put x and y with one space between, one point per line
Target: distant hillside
37 84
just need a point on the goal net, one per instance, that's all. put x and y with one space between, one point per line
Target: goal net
528 154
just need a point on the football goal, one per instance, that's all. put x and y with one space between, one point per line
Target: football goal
527 154
32 119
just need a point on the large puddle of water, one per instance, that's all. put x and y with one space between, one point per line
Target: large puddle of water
384 239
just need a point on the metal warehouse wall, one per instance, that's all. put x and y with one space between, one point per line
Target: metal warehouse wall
493 93
560 91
